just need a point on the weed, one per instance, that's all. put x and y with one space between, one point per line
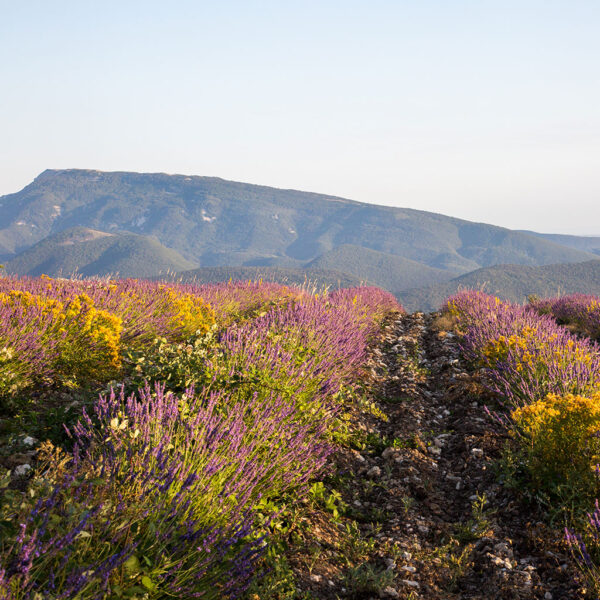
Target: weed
479 523
366 579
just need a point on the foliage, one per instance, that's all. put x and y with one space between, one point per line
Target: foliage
44 338
561 441
171 492
525 356
549 380
580 312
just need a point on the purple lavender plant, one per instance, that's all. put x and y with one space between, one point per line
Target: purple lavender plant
525 356
580 312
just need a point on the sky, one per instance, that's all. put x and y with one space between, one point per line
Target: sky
488 110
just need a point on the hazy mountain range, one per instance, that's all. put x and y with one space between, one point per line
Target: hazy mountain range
511 282
130 224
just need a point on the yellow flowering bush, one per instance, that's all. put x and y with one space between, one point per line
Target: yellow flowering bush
89 340
189 314
149 312
561 440
82 342
524 341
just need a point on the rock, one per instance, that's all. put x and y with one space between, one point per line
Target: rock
315 578
504 549
22 470
29 441
410 583
409 569
390 564
389 453
374 472
435 450
477 452
389 592
503 563
547 596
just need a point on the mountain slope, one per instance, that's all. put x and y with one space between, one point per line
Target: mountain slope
88 252
579 242
214 222
378 268
511 282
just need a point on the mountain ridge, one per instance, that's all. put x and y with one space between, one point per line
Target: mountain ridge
212 222
511 282
81 251
216 222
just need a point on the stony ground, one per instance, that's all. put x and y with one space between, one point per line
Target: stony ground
427 517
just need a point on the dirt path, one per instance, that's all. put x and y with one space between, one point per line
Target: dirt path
434 521
468 537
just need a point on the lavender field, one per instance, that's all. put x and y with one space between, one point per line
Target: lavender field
541 363
193 411
260 441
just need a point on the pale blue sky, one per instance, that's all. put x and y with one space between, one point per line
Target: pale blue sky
485 110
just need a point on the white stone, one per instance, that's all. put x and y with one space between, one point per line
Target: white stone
388 453
374 472
22 469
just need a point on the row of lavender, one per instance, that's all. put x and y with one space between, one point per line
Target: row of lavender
578 312
547 380
157 497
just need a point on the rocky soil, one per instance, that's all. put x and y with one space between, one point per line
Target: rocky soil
435 523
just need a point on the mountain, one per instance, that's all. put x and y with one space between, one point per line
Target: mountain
87 252
317 278
579 242
378 268
511 282
213 222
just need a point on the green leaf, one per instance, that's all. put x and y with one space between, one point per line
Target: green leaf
148 584
132 565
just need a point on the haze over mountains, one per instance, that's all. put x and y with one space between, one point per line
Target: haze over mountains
131 224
